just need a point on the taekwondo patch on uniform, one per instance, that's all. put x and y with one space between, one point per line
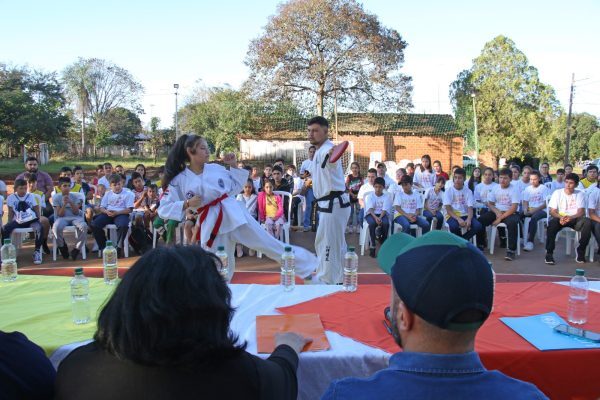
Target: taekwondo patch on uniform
189 195
221 183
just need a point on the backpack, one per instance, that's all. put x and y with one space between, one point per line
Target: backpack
23 211
140 239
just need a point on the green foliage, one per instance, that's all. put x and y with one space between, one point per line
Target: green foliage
159 138
313 50
514 109
583 127
595 145
32 107
123 126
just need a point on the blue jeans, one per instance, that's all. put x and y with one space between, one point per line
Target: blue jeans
455 228
101 220
405 224
309 198
429 217
385 227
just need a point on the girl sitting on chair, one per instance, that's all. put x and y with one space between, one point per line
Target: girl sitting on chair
270 210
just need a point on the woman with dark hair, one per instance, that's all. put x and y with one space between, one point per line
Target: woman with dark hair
164 334
424 176
209 189
354 181
475 178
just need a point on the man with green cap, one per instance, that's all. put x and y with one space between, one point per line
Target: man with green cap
442 293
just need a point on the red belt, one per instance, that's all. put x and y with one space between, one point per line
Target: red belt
203 213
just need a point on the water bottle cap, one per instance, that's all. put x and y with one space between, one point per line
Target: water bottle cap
109 243
79 271
288 248
580 272
221 248
6 241
351 248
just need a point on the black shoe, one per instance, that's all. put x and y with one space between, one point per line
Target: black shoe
64 251
510 255
372 252
549 259
580 259
502 243
74 254
46 249
120 253
481 247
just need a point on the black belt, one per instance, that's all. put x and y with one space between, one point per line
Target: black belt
331 197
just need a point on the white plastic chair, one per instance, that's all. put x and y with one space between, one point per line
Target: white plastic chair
492 237
110 231
179 236
67 229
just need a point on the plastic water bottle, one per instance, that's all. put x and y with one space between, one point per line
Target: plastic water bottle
109 259
80 297
350 270
224 267
9 261
578 298
288 269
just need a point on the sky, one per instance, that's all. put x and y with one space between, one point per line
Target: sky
204 42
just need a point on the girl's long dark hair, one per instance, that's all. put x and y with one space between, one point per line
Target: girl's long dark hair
427 157
172 309
178 157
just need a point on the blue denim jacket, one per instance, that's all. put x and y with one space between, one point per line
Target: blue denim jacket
433 376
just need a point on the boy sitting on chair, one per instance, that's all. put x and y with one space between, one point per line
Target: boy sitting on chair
24 212
115 208
459 202
68 211
534 206
408 207
377 205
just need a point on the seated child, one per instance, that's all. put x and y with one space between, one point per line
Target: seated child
433 203
68 212
249 199
377 206
24 212
408 207
270 209
32 188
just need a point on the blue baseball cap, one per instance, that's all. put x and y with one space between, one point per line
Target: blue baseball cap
441 277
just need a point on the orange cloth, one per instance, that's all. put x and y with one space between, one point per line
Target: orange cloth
563 374
307 325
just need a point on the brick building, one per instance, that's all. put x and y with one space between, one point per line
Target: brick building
395 136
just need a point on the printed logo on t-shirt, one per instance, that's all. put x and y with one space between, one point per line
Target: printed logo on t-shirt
116 201
189 195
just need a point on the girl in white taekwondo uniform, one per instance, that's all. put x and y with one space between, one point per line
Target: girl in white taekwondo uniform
210 190
333 205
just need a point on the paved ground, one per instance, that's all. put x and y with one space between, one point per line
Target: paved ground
531 263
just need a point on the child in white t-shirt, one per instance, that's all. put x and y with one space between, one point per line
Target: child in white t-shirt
459 202
377 206
408 204
534 206
567 209
433 202
249 199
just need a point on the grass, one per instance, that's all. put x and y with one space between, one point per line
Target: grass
11 167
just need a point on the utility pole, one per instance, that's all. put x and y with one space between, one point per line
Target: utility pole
568 141
176 87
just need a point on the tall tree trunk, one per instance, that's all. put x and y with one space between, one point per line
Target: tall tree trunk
83 134
321 99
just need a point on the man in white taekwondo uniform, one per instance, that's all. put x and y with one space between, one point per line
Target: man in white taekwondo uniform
333 205
224 221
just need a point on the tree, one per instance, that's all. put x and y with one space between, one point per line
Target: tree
159 138
219 115
315 50
514 109
76 78
32 107
123 125
107 86
595 145
583 127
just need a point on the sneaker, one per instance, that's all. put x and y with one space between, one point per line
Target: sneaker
510 255
528 246
239 252
45 247
372 252
120 252
64 251
580 259
549 259
348 229
356 229
74 254
37 257
306 229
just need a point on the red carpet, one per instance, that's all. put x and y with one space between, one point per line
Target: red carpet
272 278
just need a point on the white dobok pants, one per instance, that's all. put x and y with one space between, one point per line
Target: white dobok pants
330 242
